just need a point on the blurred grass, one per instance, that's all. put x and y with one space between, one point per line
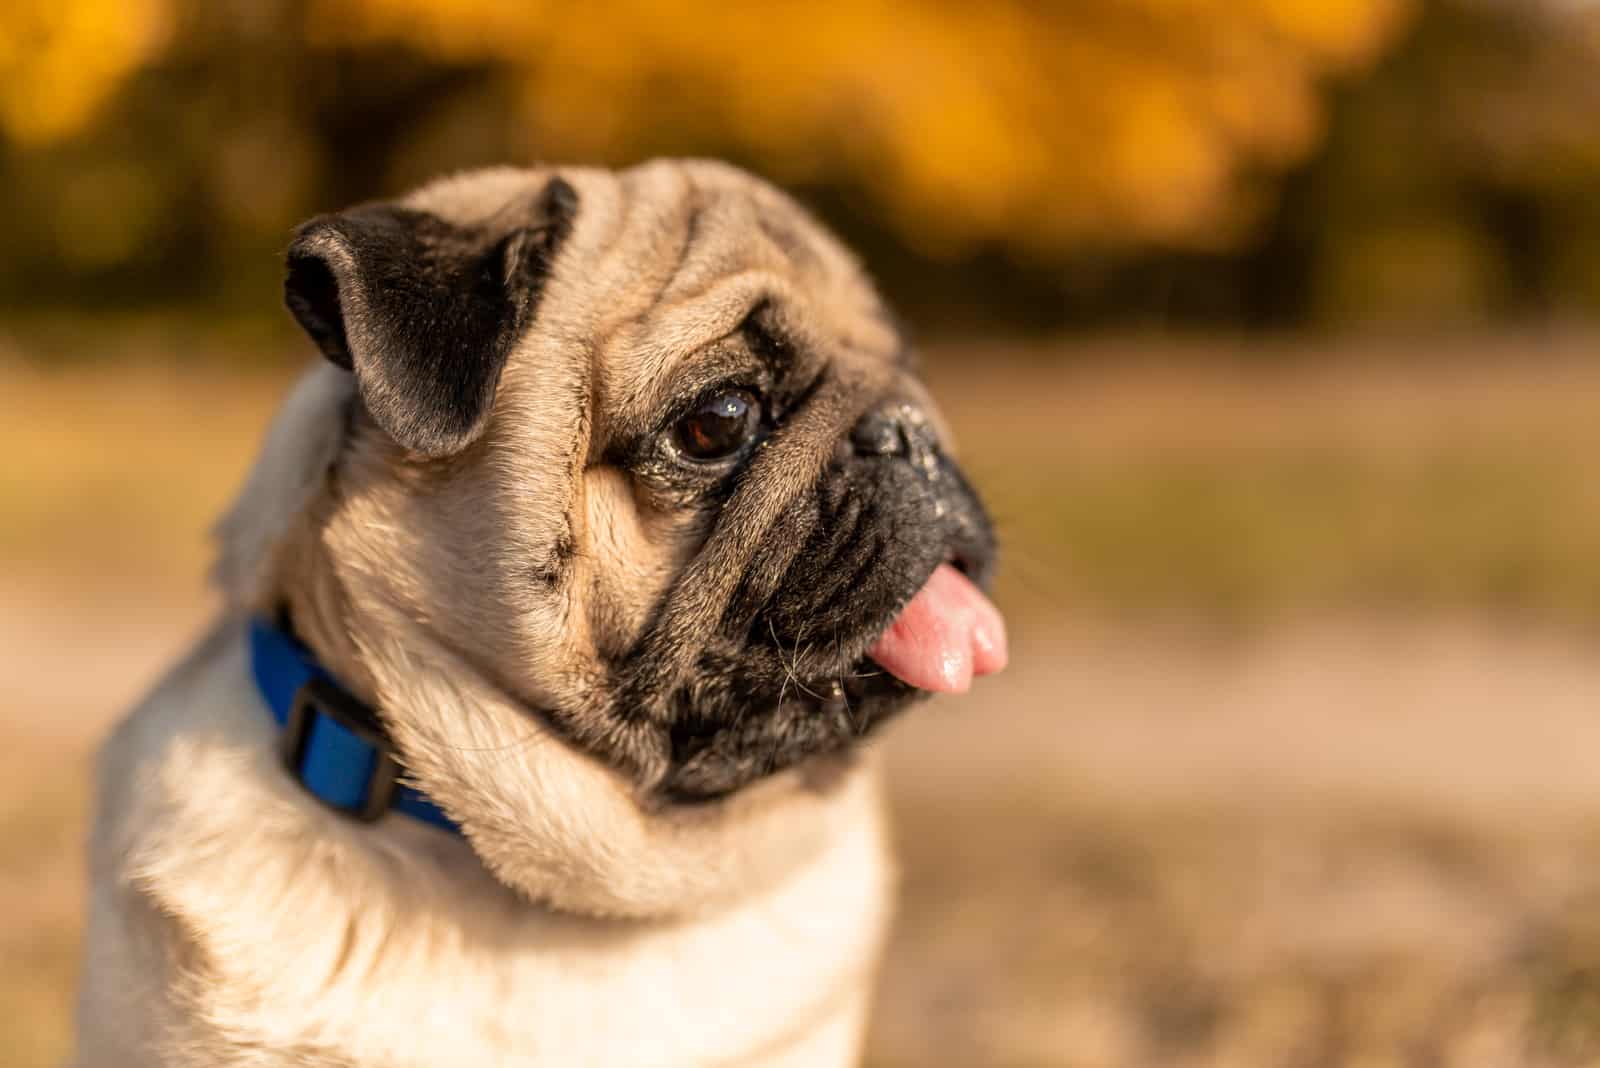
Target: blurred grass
121 470
1258 482
1461 527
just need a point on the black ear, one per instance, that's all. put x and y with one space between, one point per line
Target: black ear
422 310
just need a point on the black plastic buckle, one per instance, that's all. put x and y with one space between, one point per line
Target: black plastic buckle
321 695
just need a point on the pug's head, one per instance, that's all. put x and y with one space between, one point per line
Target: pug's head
646 450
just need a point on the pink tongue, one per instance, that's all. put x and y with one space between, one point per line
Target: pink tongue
948 633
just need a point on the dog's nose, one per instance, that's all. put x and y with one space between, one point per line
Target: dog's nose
896 430
879 433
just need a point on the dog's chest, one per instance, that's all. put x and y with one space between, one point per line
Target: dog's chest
760 981
237 923
782 979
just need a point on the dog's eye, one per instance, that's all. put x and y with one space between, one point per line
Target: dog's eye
719 425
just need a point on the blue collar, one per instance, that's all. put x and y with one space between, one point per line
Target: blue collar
332 744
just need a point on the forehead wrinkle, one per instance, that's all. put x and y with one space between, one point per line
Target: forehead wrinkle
694 209
728 240
788 242
659 224
654 350
624 240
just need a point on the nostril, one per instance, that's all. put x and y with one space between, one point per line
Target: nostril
878 434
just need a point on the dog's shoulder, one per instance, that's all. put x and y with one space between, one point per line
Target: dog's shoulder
130 1005
205 689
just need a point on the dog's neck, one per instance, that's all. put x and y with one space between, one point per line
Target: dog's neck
545 819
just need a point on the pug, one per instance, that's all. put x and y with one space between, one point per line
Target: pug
559 604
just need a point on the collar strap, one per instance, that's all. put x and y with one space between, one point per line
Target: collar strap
333 745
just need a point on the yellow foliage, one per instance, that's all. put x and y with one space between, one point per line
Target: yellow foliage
1046 123
60 59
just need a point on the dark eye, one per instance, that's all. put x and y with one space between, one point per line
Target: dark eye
719 425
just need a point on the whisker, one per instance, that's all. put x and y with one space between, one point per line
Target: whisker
791 672
788 674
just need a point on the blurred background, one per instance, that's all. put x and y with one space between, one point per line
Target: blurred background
1269 330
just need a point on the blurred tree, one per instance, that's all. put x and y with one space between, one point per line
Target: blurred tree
1113 120
1039 126
1177 160
1459 182
59 62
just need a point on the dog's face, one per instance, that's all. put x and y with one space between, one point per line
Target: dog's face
648 451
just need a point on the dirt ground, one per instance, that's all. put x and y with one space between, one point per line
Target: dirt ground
1348 842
